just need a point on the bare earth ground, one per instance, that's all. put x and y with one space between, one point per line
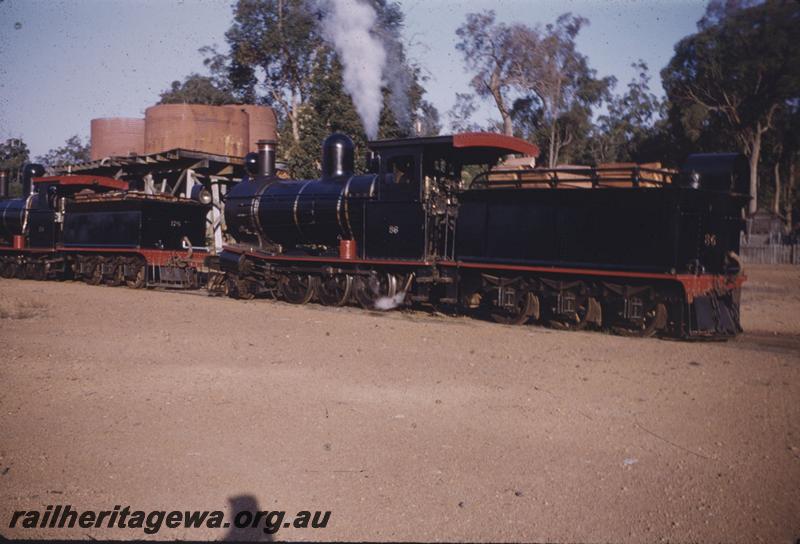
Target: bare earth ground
405 425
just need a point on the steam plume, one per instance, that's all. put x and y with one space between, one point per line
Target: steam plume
347 25
390 303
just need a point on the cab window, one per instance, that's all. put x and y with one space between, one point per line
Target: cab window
402 169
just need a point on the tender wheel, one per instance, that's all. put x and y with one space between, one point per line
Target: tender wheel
523 306
118 277
376 291
139 276
95 275
654 320
578 316
335 289
298 288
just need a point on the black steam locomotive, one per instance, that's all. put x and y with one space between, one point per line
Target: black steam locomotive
451 221
93 228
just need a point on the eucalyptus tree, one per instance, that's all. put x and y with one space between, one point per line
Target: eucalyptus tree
197 89
488 49
74 151
740 68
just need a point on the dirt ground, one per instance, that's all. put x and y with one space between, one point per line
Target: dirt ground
406 426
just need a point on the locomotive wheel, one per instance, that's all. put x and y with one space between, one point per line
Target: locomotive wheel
7 269
578 320
525 307
11 269
240 288
95 275
75 267
653 321
139 278
21 271
235 287
335 289
118 277
36 271
370 290
298 288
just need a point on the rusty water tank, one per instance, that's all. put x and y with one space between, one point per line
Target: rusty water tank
116 137
209 129
262 123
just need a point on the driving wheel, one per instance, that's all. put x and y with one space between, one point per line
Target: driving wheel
335 289
298 288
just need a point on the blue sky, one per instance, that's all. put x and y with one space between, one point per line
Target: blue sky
65 62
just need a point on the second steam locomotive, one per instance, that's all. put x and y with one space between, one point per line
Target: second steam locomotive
95 229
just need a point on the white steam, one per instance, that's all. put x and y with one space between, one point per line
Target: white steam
347 25
390 303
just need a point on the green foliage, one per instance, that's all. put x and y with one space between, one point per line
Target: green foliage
460 115
740 66
14 154
74 151
279 57
428 119
274 45
328 110
489 50
197 89
735 74
629 125
542 86
559 78
782 154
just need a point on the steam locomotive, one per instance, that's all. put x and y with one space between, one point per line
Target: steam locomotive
457 222
94 229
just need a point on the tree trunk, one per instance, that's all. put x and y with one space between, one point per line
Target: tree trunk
776 199
294 120
755 152
508 127
552 159
494 85
494 88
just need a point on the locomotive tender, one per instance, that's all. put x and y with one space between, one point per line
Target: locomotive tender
93 228
632 249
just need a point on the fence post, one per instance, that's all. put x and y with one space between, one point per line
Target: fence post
770 253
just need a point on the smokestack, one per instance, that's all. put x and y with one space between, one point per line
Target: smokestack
28 173
266 157
3 184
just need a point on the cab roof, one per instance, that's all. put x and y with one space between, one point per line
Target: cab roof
79 182
480 146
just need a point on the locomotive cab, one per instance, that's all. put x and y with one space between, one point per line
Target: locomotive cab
415 215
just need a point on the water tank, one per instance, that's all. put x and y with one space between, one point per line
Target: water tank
209 129
262 123
116 136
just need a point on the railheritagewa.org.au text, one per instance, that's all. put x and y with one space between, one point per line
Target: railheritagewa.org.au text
152 521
